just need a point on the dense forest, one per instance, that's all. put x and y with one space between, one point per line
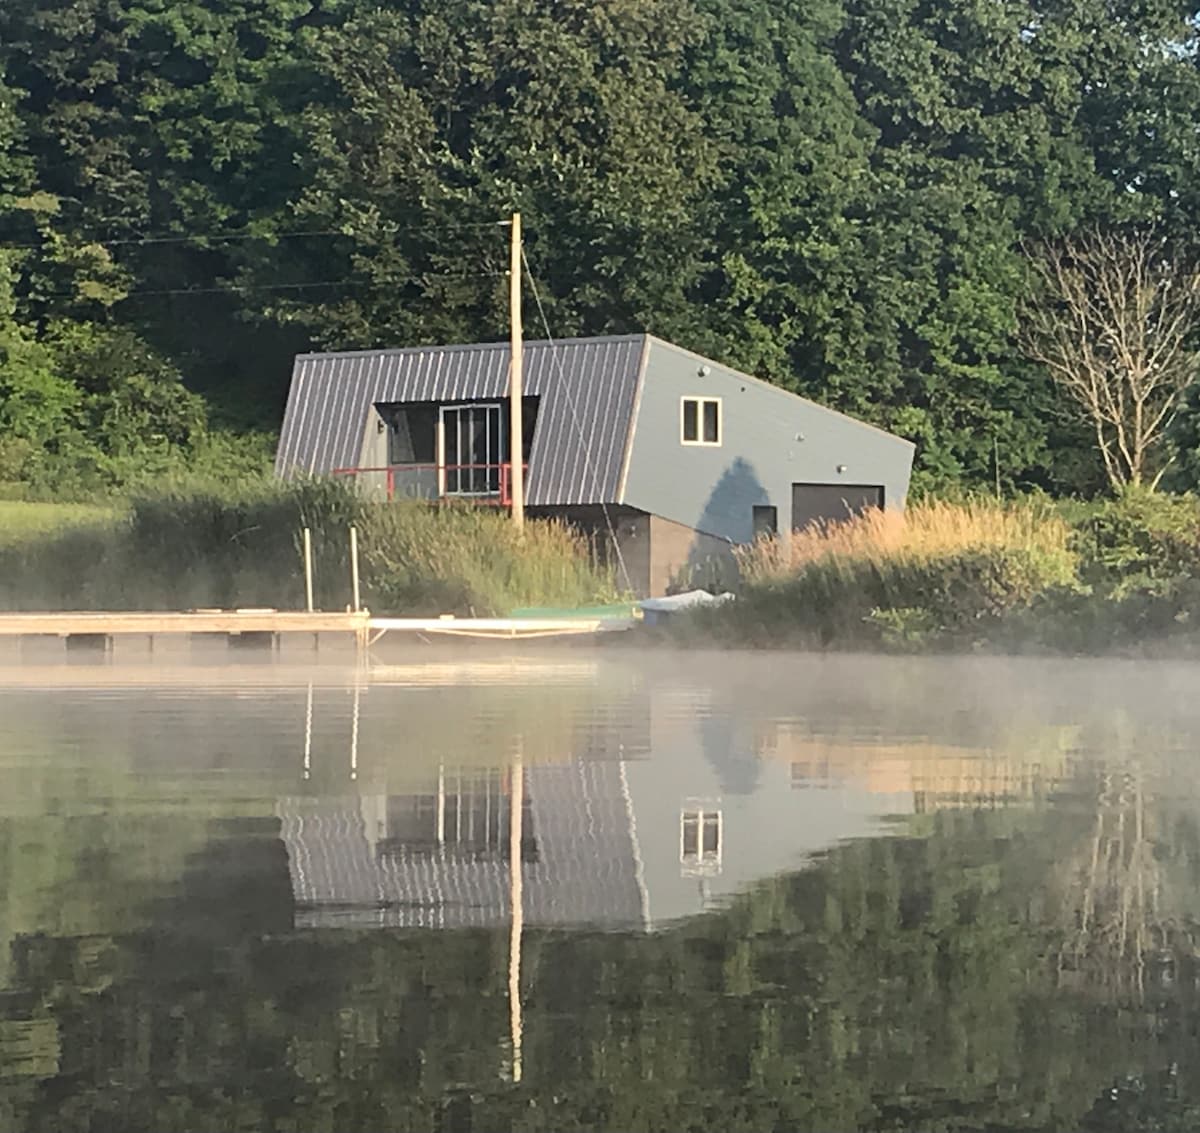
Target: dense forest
835 195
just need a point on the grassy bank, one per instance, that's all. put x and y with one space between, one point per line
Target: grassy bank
242 547
21 521
982 575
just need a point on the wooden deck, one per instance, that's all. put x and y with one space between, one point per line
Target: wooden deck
147 624
102 627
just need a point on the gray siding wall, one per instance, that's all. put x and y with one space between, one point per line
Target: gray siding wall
374 455
713 489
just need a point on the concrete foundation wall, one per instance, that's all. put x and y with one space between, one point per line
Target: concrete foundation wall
630 559
679 554
653 552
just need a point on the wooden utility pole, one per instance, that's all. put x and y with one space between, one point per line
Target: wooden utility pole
516 432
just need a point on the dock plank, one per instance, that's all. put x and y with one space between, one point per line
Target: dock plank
116 623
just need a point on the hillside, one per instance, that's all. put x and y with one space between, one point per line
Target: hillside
835 195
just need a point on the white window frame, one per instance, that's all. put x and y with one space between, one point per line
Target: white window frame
702 861
453 409
700 404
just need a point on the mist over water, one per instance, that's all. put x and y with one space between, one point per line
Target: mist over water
595 889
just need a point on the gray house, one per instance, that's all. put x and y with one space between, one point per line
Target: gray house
671 457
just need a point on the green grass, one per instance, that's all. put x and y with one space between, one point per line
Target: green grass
20 521
472 560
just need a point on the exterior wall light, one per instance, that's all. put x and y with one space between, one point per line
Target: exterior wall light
841 468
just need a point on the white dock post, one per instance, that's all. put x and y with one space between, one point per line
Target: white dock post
354 729
308 571
354 568
441 805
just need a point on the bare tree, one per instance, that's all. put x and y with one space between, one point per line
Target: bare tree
1111 899
1113 317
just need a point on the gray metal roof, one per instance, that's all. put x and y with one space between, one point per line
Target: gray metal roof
587 388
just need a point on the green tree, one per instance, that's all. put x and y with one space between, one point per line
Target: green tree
995 122
33 397
16 169
830 195
134 403
439 119
858 263
164 132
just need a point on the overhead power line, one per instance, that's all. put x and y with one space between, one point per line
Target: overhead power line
242 235
213 237
238 288
235 288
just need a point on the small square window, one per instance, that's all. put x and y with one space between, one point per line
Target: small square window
766 520
700 422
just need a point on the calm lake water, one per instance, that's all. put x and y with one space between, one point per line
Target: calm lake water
577 890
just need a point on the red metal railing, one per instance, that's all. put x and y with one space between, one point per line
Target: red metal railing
500 495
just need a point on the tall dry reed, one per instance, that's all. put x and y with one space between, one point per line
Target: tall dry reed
924 532
938 573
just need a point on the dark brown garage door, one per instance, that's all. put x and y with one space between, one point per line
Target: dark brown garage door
832 501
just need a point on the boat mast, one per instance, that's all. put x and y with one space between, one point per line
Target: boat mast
516 445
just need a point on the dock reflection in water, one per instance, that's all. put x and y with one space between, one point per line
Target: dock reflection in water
593 891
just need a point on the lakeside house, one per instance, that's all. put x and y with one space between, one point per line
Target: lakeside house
666 458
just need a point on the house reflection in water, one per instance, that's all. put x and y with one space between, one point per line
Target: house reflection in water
660 804
696 816
442 859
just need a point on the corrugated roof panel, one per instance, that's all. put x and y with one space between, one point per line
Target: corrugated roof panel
304 439
343 402
553 444
339 402
603 444
586 389
330 424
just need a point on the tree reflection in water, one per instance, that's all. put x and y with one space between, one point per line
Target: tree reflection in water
1001 969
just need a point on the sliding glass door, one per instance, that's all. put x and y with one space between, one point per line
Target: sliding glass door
474 448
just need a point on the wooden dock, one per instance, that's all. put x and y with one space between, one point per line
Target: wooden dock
98 626
94 630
